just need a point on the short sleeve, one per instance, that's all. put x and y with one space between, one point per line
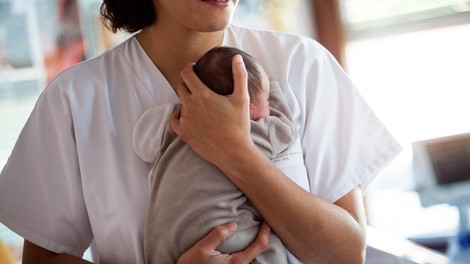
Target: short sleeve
40 186
344 142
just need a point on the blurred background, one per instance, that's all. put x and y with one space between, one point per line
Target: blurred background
410 59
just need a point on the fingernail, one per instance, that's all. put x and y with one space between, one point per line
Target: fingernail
232 226
238 58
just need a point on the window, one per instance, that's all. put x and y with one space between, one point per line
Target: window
363 16
410 59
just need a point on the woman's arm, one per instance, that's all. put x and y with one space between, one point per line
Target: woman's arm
35 254
314 230
218 129
204 252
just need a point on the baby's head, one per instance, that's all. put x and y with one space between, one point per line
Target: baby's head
215 70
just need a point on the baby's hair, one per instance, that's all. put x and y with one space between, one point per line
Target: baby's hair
215 70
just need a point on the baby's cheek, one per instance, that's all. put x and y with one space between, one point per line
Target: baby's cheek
259 112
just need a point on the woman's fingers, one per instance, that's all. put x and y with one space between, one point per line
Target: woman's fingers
174 121
256 248
205 251
240 96
192 81
193 85
217 235
183 92
213 125
240 91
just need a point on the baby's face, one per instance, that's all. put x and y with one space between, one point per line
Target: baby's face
259 107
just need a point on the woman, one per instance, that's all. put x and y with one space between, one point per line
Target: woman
85 184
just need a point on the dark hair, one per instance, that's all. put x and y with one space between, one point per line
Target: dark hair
129 15
215 70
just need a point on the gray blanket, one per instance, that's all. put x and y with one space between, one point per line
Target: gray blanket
189 196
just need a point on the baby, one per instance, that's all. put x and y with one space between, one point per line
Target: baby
190 196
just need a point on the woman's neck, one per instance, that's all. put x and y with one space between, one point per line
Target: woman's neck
171 50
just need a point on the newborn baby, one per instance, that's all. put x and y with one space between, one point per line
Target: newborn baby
189 196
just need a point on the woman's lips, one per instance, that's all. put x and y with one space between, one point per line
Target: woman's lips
219 3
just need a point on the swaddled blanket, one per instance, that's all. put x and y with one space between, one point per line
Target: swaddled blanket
189 196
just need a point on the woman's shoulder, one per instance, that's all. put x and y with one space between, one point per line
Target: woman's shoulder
271 39
93 70
277 51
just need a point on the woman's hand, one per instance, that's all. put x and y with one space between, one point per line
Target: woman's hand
216 127
205 252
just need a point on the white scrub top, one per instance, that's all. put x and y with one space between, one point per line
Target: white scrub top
74 178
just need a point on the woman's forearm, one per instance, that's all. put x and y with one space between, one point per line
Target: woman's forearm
217 128
35 254
313 229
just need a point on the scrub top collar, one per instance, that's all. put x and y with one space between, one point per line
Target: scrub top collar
149 74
